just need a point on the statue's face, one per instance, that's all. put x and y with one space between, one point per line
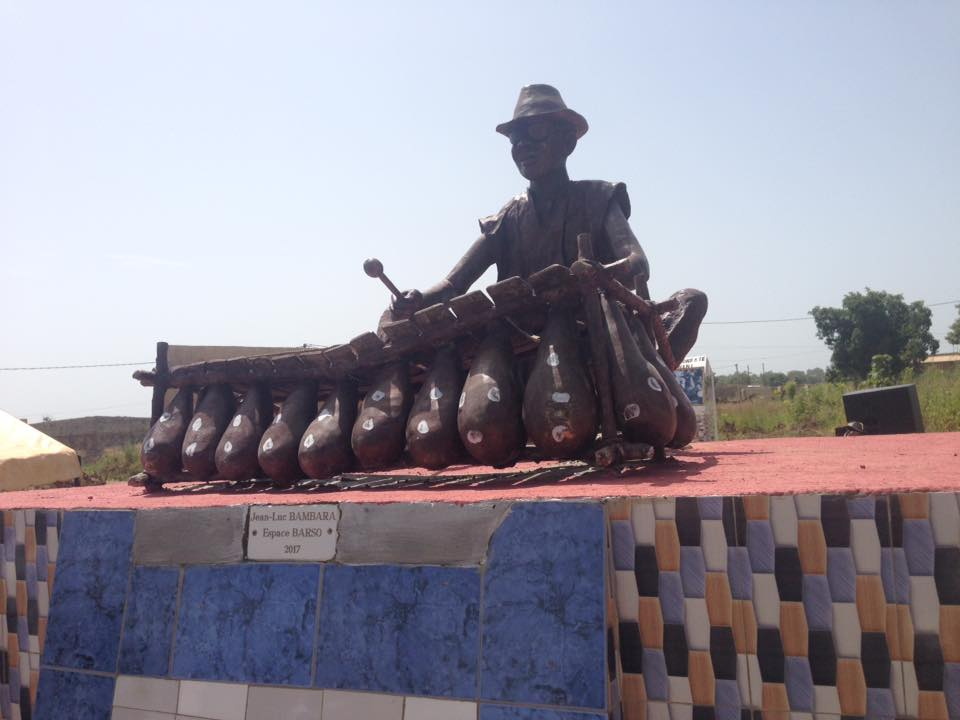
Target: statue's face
541 146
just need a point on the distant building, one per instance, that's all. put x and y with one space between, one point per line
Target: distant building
946 360
696 378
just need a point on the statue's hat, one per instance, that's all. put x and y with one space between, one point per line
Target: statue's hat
539 101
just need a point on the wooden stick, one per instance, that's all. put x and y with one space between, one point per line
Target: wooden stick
160 382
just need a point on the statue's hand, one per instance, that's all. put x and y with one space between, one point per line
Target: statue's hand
407 304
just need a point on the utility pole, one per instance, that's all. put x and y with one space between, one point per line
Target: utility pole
736 370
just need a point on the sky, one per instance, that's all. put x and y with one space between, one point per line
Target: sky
216 173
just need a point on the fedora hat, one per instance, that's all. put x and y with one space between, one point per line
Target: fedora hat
542 101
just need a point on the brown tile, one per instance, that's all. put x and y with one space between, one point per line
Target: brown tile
41 632
775 698
22 598
700 672
851 687
34 681
793 629
13 650
915 506
871 603
51 571
651 623
31 545
756 507
950 632
899 632
744 627
719 600
812 546
3 593
619 509
634 697
668 546
932 705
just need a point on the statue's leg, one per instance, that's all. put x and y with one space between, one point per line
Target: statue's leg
683 324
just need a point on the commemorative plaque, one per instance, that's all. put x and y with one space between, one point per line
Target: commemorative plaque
306 533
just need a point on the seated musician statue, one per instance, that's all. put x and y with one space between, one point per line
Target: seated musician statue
539 227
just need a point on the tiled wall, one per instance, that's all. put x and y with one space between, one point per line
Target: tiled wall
788 606
776 607
28 547
515 633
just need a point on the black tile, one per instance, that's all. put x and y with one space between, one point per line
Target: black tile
853 717
896 522
745 714
611 656
875 658
703 712
21 562
631 648
4 665
688 521
645 570
26 712
11 614
40 525
882 519
770 655
823 657
723 653
835 519
675 649
928 662
946 571
789 573
734 522
33 616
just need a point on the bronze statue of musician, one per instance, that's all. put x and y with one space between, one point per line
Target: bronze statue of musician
539 227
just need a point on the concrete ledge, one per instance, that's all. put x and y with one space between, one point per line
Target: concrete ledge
189 536
417 533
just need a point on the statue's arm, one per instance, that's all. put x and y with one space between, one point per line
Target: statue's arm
631 265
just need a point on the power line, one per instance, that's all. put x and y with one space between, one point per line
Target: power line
71 367
795 319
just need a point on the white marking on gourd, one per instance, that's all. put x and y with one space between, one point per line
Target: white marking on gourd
654 384
559 432
463 399
475 436
191 449
227 446
367 424
308 440
150 443
631 411
494 394
325 415
237 420
435 393
277 418
560 397
423 427
165 417
553 360
268 445
197 424
378 395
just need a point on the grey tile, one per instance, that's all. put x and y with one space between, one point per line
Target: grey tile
189 536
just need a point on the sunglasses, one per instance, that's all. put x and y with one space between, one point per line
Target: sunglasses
532 132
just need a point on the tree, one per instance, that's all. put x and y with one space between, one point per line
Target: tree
875 323
953 334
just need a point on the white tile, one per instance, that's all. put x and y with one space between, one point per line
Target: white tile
657 710
783 519
35 654
43 598
911 692
144 693
271 703
24 660
416 708
31 517
714 544
766 600
697 624
216 701
53 543
20 523
808 506
865 543
628 597
924 604
846 630
34 645
122 713
679 711
10 575
945 519
644 522
743 679
801 716
679 691
826 700
665 508
342 705
756 682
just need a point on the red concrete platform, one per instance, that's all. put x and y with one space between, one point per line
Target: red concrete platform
878 464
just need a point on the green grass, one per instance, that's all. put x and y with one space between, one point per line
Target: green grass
116 464
818 409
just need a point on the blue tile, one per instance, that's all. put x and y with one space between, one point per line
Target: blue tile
918 546
671 597
799 682
247 623
655 679
738 570
861 507
62 695
543 633
951 688
87 605
693 573
760 546
880 704
413 631
727 695
816 602
148 623
501 712
711 508
841 574
621 534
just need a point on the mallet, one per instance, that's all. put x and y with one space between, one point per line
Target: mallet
374 268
